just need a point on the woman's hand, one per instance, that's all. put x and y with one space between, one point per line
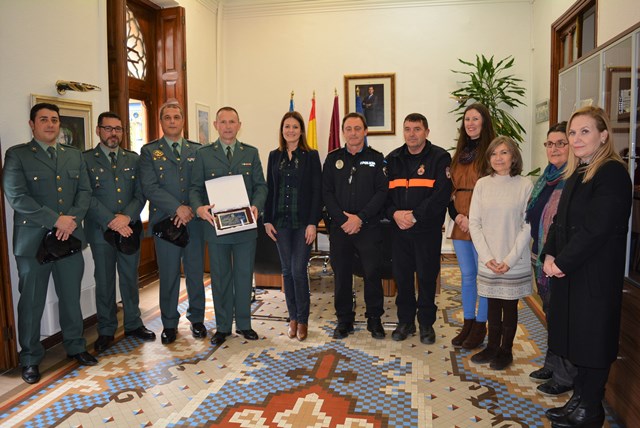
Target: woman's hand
503 267
493 266
271 231
310 234
463 222
550 268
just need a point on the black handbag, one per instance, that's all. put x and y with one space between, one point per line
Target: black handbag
52 249
168 231
126 245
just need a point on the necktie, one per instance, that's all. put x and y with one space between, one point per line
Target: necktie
112 155
175 150
229 154
52 153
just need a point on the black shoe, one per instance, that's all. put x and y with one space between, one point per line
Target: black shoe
198 330
343 330
219 337
427 335
84 358
541 375
557 413
583 417
553 388
168 336
374 325
102 343
403 330
248 334
31 374
142 333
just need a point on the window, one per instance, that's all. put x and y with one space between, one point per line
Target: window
136 48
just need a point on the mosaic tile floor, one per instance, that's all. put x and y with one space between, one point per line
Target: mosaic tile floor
280 382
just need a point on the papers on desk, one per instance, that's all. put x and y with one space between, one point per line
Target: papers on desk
232 210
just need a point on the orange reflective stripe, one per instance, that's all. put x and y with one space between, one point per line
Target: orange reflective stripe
413 182
421 182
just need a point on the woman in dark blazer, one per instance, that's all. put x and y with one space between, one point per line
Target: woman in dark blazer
292 212
585 253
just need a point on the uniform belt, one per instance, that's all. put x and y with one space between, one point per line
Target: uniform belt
464 190
412 182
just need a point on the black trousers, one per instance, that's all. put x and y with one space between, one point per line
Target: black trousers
416 253
368 244
590 383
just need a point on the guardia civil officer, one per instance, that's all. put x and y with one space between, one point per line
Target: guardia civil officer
419 192
116 203
354 189
47 186
165 173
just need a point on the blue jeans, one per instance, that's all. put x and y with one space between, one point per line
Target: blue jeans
468 262
294 257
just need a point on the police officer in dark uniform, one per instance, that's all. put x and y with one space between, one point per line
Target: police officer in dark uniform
354 189
419 192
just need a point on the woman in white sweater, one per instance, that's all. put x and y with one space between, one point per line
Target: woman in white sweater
501 237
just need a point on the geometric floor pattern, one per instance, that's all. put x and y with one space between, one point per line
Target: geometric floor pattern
280 382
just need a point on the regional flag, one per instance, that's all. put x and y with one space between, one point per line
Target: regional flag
291 106
312 132
334 131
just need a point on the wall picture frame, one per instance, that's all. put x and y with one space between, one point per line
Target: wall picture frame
76 124
618 98
377 93
203 119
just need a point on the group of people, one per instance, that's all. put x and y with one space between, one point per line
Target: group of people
577 214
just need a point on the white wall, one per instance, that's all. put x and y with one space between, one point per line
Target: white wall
265 56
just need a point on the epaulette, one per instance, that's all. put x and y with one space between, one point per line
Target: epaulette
195 143
67 146
127 150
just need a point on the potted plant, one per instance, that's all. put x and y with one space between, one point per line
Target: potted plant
488 84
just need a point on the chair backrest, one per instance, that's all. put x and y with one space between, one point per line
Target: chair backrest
267 256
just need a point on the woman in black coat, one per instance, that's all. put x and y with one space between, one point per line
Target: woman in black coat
292 212
585 253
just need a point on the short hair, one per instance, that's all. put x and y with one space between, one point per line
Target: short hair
108 114
302 142
487 134
417 117
42 106
355 115
605 151
171 104
227 108
516 157
558 127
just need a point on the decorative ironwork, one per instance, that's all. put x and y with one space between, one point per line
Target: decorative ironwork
136 48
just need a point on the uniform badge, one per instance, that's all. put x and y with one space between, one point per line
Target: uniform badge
448 172
421 170
158 154
339 164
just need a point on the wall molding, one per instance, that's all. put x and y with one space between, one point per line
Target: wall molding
238 9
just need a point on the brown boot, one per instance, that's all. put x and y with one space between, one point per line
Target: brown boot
476 337
293 329
493 346
302 332
466 329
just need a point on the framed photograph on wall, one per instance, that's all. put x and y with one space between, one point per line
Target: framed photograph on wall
204 124
377 95
76 126
618 98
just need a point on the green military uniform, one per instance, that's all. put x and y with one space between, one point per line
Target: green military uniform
116 190
40 189
231 256
165 183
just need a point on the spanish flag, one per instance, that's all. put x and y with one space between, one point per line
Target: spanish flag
312 131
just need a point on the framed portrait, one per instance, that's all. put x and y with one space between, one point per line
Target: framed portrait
76 126
204 124
376 93
618 98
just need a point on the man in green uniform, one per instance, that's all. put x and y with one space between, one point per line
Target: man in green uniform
47 186
231 256
165 173
116 203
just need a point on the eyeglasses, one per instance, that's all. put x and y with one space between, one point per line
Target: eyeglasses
118 129
559 144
